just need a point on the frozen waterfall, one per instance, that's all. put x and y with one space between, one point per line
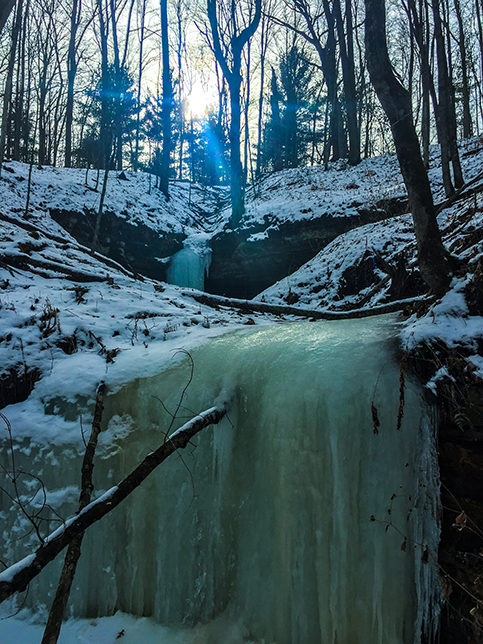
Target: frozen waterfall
189 267
261 531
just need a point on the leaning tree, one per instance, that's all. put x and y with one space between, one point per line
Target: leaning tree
434 261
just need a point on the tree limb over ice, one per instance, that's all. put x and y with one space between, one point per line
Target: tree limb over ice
19 575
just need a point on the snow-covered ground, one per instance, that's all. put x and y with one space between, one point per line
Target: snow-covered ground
70 320
26 628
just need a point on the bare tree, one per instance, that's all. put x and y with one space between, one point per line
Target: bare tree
142 36
345 33
168 97
7 97
230 32
17 578
445 113
71 73
434 262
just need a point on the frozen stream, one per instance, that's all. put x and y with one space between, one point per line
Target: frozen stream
262 532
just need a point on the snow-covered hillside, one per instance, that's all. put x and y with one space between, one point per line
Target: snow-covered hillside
131 196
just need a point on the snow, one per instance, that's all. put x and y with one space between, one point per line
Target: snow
115 328
26 629
317 284
448 322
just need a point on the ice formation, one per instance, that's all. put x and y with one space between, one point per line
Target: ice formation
262 531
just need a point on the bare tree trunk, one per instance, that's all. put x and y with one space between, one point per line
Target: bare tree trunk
71 73
117 72
128 33
7 97
167 102
5 8
246 145
263 52
328 60
105 134
452 124
232 74
57 610
182 124
433 259
467 124
20 110
346 48
95 239
446 117
140 73
27 96
42 112
277 134
419 22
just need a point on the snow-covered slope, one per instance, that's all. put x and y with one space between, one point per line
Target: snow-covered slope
132 196
342 190
355 269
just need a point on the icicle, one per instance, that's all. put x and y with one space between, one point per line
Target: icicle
426 534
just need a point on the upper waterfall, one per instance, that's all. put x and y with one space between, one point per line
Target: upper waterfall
190 265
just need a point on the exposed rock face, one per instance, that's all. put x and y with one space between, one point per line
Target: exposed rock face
459 402
461 548
247 261
16 384
135 246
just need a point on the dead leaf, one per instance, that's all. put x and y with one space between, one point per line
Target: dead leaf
447 587
460 521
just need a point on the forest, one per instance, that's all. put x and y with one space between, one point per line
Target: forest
177 88
199 201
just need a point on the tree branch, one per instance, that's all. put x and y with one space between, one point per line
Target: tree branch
17 577
217 50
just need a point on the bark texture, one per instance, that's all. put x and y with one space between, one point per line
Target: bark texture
433 259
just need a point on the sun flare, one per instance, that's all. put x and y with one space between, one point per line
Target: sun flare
200 99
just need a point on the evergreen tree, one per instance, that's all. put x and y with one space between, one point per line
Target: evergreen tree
295 77
288 129
273 140
112 99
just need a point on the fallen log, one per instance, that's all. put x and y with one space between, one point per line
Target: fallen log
250 306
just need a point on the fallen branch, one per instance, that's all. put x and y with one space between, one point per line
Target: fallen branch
380 285
17 577
25 262
461 193
74 245
249 306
